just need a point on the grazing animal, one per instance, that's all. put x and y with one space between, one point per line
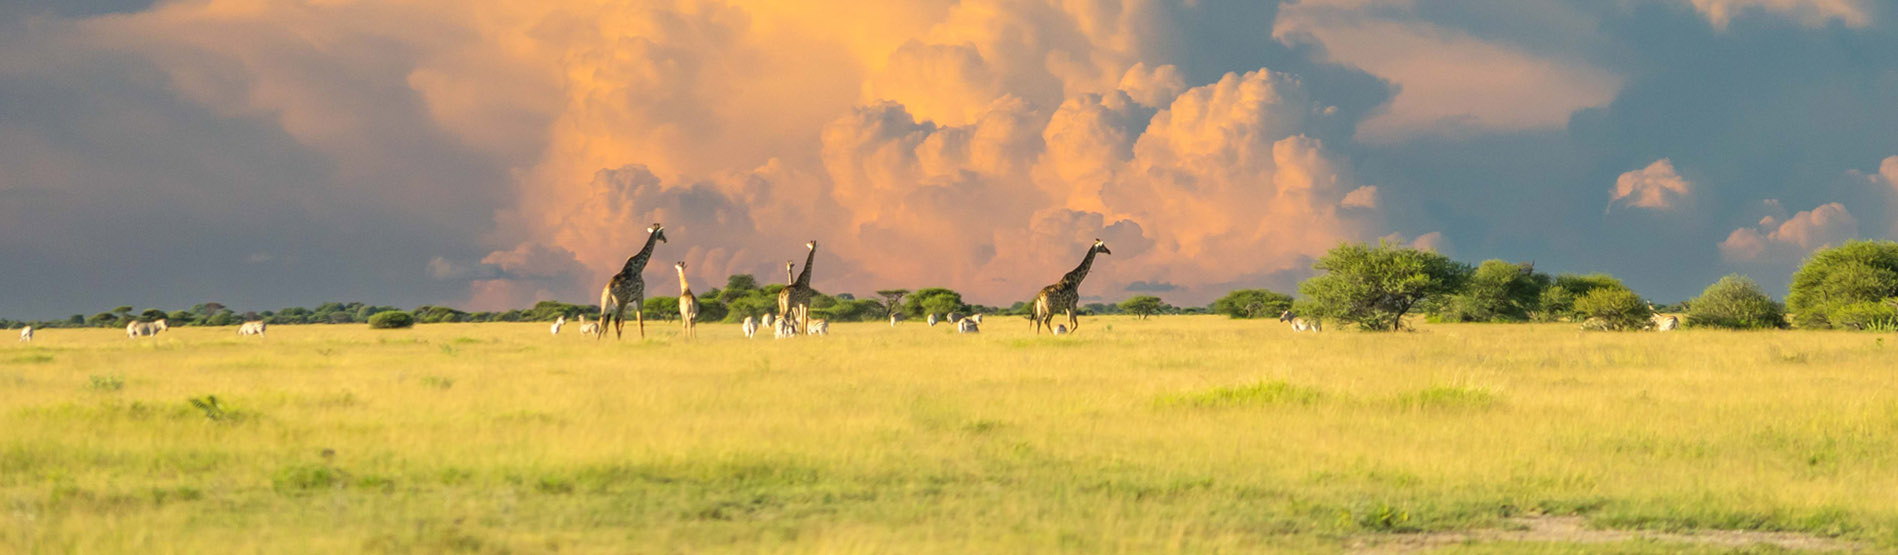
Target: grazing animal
688 304
1300 324
953 318
968 325
1663 322
588 328
820 326
932 320
768 321
794 301
561 321
136 329
977 318
253 327
892 320
1065 294
751 327
628 288
1061 329
786 328
26 334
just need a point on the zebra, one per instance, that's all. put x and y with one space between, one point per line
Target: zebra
1300 324
768 321
588 328
968 325
751 327
254 327
1060 329
26 335
561 321
1663 322
819 327
784 328
892 320
136 329
932 319
953 318
977 318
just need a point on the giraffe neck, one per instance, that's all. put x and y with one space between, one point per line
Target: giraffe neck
804 278
637 263
1073 279
683 286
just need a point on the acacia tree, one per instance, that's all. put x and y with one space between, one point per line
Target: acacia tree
1374 286
892 300
1842 282
1143 305
1252 303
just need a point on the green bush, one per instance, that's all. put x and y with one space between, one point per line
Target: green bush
1615 309
1253 303
1374 286
1866 316
391 320
1497 292
1853 273
1735 302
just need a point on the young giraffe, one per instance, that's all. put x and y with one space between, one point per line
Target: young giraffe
688 304
795 300
1065 294
627 288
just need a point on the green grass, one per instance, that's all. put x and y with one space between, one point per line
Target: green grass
1191 434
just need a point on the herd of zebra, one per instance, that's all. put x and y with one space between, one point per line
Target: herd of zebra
135 330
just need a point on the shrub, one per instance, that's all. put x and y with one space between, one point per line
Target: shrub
1144 305
1735 302
1497 291
1615 309
1867 316
1853 273
391 320
1253 303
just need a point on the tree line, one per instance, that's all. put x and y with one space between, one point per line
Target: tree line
1852 286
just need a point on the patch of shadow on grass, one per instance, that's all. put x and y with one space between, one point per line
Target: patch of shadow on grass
1449 397
1254 395
1548 532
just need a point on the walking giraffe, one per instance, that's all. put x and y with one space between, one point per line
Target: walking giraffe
1065 294
628 288
688 304
794 301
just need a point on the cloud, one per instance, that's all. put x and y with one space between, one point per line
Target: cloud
1448 82
1151 286
1811 13
1655 187
1774 240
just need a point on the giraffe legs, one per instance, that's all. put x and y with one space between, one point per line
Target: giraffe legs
1073 324
640 316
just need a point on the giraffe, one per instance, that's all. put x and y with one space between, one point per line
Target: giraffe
627 288
688 304
1064 294
795 300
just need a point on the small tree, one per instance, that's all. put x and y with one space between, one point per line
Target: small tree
1735 302
1855 273
1497 291
892 300
934 300
1253 303
1375 286
660 308
1614 309
1143 305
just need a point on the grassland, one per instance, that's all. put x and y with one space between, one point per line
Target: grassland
1176 434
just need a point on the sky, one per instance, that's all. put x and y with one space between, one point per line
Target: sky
487 155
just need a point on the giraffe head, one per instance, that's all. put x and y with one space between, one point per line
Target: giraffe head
680 265
657 231
811 245
1101 247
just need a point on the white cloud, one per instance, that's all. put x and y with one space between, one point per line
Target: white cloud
1774 240
1811 13
1655 187
1448 82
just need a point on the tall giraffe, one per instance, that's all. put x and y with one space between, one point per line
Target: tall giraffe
688 304
797 295
628 288
1064 294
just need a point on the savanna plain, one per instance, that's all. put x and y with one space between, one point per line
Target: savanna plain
1174 434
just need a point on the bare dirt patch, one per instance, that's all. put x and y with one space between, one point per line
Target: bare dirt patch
1574 529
